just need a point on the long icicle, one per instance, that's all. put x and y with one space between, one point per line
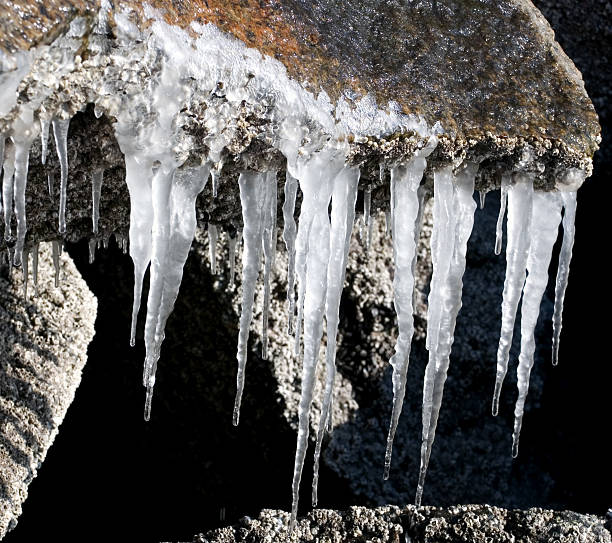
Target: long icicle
545 221
186 184
269 246
316 179
344 197
35 251
565 257
138 178
456 208
520 203
252 199
60 133
289 233
405 186
44 139
161 186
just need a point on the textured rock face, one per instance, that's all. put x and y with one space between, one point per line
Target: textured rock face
43 348
490 72
473 523
487 70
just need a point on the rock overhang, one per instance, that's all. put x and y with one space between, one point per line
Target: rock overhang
490 73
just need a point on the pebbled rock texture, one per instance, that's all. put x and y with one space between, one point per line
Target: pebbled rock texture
43 348
460 524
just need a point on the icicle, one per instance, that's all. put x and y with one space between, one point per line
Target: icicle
98 111
312 258
421 193
7 190
50 183
212 247
289 233
545 221
138 179
344 197
565 257
55 254
60 133
2 140
483 195
520 202
405 187
96 190
92 250
35 267
233 242
161 186
502 210
252 199
269 250
388 223
25 273
171 253
454 208
367 206
44 140
215 174
22 157
381 171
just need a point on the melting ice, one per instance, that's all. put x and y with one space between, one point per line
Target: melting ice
166 171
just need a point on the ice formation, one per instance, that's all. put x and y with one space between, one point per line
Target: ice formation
166 169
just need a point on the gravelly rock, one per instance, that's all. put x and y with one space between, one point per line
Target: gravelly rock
43 348
460 524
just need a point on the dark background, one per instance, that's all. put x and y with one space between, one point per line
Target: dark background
111 475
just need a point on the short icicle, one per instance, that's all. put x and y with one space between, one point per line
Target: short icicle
454 208
520 202
213 236
44 140
405 186
56 251
252 199
232 244
289 233
503 199
138 178
7 189
367 216
35 252
565 257
60 133
313 247
269 246
344 197
25 273
96 190
23 138
545 220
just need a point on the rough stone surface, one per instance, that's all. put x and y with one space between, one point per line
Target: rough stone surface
440 58
43 348
508 97
460 524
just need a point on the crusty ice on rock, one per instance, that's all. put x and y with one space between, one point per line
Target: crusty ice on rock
205 76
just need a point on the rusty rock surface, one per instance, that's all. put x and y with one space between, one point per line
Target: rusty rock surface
486 69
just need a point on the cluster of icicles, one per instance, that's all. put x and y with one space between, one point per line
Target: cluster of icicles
163 224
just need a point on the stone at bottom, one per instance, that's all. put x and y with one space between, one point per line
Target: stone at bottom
389 524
